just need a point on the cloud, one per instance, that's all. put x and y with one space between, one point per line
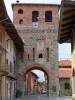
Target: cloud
40 74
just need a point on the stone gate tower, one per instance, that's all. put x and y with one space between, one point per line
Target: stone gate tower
37 25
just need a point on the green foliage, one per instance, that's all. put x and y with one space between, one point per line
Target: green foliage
18 93
71 81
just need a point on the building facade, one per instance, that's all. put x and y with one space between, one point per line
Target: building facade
67 33
65 75
37 25
8 50
31 83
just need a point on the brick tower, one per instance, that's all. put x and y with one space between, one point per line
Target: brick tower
37 25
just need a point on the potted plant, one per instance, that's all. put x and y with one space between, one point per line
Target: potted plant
18 93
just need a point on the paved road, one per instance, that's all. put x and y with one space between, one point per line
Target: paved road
42 97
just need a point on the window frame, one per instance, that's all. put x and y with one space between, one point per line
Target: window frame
40 56
20 11
48 13
35 14
67 86
21 21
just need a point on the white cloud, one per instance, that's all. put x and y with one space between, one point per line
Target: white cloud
40 74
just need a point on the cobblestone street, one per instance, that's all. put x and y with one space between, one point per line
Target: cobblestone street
43 97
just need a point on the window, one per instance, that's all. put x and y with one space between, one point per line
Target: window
33 54
6 61
48 16
35 80
11 67
47 50
40 56
67 86
35 15
20 11
0 37
20 21
10 48
6 44
28 56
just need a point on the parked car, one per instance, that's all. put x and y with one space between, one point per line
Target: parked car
43 91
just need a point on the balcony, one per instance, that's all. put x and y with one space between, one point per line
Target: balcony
4 69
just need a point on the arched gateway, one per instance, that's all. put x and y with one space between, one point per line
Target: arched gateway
46 70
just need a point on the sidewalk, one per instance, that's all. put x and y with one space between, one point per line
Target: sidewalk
32 97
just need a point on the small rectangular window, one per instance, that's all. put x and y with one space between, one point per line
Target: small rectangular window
67 86
10 48
35 15
11 67
48 16
47 56
33 54
6 61
6 44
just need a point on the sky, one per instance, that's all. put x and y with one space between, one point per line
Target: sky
64 50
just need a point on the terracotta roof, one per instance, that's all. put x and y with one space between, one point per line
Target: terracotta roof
65 63
9 27
65 72
34 75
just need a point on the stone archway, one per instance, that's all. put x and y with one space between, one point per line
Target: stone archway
46 70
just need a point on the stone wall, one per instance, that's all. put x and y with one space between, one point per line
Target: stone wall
63 91
40 41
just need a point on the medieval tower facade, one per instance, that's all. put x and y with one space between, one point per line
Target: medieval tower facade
37 25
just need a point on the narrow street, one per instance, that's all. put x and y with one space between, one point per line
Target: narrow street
43 97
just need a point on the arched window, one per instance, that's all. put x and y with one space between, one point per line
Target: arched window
35 15
20 11
48 16
20 21
40 55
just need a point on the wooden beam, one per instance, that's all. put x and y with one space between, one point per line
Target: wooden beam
69 11
70 17
64 35
66 32
69 4
62 41
64 38
68 23
67 28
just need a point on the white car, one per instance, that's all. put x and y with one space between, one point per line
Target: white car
43 91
